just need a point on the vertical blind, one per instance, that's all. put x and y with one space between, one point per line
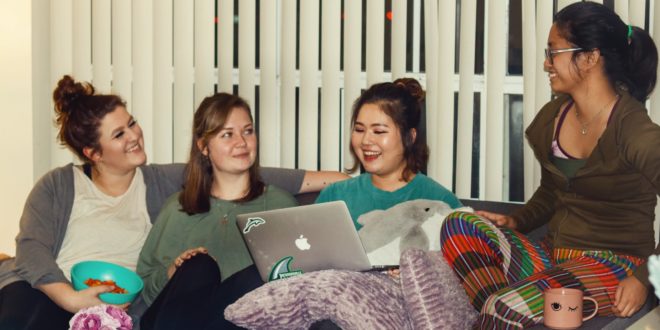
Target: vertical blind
302 63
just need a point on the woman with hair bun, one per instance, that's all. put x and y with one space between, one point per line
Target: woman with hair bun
384 141
101 210
600 159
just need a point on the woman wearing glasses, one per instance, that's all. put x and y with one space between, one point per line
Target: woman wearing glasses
600 163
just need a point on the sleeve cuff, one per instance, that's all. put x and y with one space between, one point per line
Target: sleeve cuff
642 274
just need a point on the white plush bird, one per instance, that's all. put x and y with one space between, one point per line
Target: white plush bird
654 273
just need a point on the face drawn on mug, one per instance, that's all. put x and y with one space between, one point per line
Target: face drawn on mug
557 307
562 308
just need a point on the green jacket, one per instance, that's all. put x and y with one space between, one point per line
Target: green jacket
609 204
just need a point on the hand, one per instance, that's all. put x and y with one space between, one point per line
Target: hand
71 300
187 254
629 297
499 220
394 273
90 297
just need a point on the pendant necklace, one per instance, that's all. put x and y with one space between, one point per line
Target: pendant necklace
225 217
585 125
229 208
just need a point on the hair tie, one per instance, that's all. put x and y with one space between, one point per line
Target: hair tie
74 97
66 104
630 32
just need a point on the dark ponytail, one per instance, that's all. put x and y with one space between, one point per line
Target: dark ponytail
642 64
630 55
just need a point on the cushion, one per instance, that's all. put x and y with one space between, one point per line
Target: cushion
433 295
429 296
352 300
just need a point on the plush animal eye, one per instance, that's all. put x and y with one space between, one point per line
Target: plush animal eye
572 309
426 209
556 306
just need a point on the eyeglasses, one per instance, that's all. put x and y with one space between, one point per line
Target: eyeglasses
550 52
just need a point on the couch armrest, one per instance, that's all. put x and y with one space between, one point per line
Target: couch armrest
491 206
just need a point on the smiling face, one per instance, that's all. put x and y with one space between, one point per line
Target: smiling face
233 149
563 71
121 143
376 140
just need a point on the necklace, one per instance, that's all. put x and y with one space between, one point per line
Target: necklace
226 208
585 125
230 209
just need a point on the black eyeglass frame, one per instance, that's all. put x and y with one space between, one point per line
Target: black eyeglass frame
549 53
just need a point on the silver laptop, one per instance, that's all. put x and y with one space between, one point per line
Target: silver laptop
291 241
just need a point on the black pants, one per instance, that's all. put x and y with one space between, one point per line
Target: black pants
194 298
23 307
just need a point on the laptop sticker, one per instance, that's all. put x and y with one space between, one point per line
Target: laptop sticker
282 269
302 244
253 223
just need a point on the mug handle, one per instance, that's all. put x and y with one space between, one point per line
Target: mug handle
595 309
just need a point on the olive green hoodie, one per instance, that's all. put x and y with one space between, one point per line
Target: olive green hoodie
609 204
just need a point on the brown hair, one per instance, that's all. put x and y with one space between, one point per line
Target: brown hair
209 119
402 101
78 114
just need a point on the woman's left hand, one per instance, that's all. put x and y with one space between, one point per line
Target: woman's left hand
185 255
629 298
394 273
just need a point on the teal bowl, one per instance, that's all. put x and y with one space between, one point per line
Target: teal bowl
104 271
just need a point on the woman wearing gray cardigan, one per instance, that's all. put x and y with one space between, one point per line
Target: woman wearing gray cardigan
114 193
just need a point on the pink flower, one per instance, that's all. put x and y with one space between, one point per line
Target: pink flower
101 317
85 321
125 321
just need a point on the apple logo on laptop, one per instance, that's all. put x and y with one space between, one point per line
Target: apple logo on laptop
302 244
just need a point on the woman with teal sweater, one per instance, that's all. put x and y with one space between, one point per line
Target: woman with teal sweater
385 122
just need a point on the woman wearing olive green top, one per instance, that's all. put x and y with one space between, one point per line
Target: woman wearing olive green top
195 247
599 155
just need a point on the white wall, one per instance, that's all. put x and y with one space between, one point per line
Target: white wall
16 168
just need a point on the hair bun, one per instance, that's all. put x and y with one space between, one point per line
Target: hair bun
413 87
68 92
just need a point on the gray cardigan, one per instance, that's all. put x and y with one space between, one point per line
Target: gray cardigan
48 208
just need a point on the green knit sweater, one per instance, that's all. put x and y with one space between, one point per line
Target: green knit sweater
175 231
